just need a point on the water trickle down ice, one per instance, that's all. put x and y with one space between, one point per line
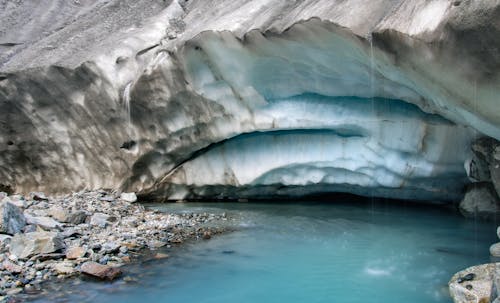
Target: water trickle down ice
126 103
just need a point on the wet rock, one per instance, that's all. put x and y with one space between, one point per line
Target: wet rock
156 244
100 271
101 220
75 253
46 223
11 218
480 201
128 197
29 244
161 256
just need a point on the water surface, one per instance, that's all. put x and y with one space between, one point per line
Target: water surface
305 252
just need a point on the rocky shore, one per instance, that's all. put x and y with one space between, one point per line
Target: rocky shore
92 233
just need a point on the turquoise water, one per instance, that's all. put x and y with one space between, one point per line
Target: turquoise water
305 252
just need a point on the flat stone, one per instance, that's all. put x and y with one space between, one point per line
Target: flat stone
12 219
100 271
34 243
128 197
75 252
46 223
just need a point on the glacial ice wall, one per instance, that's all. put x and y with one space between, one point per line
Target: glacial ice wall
250 98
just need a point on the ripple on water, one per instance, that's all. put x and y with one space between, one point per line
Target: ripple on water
306 253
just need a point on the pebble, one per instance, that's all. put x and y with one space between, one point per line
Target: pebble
83 228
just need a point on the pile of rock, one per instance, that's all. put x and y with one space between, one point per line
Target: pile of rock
87 232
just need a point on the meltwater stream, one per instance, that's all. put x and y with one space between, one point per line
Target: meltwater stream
305 252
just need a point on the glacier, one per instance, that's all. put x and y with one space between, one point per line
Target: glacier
248 99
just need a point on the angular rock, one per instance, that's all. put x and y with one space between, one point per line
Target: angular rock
100 271
110 247
11 218
34 243
480 201
77 217
128 197
59 214
101 220
46 223
75 253
11 267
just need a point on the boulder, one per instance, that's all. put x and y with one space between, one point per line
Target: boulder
11 218
128 197
46 223
476 290
495 169
34 243
480 201
103 272
495 250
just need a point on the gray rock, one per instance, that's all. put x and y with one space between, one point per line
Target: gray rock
480 201
495 169
495 250
30 244
46 223
110 247
77 217
11 218
101 220
128 197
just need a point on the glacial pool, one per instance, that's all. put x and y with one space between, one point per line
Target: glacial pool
303 252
